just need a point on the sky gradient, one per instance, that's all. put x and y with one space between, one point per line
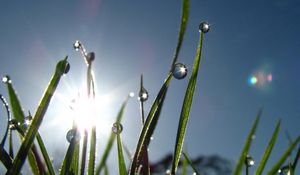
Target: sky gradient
247 38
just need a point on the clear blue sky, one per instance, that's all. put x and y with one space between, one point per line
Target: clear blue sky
139 37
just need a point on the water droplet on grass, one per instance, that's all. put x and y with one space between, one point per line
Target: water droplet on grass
204 27
180 71
284 170
117 128
249 161
27 120
6 79
77 45
67 68
143 95
90 57
73 133
13 124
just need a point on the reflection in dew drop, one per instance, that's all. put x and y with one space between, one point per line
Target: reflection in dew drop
13 124
180 71
249 161
76 45
71 133
6 79
143 95
204 27
117 128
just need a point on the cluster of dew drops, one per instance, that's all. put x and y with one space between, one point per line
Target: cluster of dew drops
179 71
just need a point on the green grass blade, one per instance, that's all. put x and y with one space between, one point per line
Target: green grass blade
191 163
122 165
91 166
5 158
184 167
38 118
111 139
283 158
296 159
150 124
186 107
268 150
182 28
67 162
106 172
45 154
75 161
239 166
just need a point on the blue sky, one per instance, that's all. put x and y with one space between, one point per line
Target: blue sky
139 37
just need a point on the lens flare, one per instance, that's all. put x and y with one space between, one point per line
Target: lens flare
252 80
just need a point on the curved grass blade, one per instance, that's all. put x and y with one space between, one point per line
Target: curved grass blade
122 165
38 118
150 124
8 118
67 162
187 103
283 158
296 159
5 158
191 163
183 24
268 150
91 166
239 166
111 139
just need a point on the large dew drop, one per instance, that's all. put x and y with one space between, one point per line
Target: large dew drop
77 45
6 79
90 57
204 27
67 68
117 128
284 171
13 124
73 133
249 161
180 71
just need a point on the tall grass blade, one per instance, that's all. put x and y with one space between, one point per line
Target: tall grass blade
296 159
150 124
111 139
186 107
182 28
268 150
283 158
239 166
83 153
5 158
45 154
191 163
91 166
38 118
122 165
75 160
184 167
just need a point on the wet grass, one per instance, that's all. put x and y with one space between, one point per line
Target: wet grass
74 163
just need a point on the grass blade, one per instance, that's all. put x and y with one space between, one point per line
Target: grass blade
296 159
67 162
45 154
111 139
8 118
239 166
184 167
91 166
150 124
268 150
122 165
191 163
84 150
61 68
187 103
75 160
183 24
106 172
5 158
283 158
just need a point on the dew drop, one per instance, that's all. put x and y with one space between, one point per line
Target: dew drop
143 95
90 57
6 79
249 161
131 94
117 128
180 71
168 172
194 173
27 120
284 170
13 124
71 133
204 27
77 45
67 68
